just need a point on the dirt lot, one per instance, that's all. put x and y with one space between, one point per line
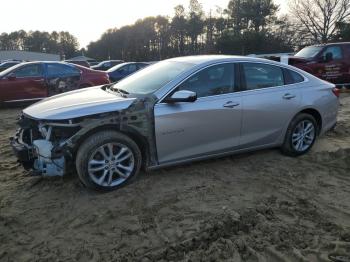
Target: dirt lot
254 207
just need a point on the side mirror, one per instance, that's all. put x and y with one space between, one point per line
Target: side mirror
182 96
328 57
11 77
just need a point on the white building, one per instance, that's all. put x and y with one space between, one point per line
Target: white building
27 56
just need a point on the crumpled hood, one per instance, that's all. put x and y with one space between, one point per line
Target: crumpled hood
82 102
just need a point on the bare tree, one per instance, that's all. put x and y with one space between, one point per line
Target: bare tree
318 18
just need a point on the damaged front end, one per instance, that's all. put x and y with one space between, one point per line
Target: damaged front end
48 148
37 145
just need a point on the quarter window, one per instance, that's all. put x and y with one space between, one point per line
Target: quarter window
215 80
262 76
34 70
292 77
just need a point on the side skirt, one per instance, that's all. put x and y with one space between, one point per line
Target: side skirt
210 156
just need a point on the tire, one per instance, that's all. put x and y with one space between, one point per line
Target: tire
100 148
289 146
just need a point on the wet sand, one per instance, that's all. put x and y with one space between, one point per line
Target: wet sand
260 206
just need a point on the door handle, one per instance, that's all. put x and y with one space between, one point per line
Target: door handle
39 80
288 96
231 104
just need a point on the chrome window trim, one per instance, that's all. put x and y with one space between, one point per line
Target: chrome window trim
160 100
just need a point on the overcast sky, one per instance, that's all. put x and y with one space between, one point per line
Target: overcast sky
87 19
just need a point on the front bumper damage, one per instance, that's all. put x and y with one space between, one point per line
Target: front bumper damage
37 148
48 148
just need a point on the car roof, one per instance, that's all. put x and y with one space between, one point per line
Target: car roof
330 44
211 59
47 62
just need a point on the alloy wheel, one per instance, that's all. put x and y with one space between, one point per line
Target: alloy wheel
111 164
303 135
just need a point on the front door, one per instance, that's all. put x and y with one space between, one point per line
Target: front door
210 125
26 83
333 68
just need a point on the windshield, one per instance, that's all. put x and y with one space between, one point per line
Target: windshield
112 69
152 78
309 52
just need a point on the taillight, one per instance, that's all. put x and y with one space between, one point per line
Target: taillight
336 91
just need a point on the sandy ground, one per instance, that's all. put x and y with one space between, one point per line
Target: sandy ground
260 206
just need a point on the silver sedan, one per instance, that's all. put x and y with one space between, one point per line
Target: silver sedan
175 111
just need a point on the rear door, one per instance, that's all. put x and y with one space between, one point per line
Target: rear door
26 83
210 125
62 78
269 101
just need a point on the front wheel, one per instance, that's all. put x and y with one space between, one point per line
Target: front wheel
301 135
107 160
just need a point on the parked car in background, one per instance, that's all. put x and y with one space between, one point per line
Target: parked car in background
330 62
121 71
93 63
78 62
29 82
8 64
175 111
105 65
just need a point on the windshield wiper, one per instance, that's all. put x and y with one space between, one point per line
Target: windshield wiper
121 91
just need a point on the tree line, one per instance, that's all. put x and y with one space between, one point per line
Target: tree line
62 43
243 27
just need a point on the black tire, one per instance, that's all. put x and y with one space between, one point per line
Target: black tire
287 147
91 144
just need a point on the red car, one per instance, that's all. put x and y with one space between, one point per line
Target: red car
30 82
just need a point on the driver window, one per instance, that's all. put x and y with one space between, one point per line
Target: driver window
335 51
215 80
34 70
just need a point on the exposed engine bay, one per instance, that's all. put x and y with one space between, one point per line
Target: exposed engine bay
48 147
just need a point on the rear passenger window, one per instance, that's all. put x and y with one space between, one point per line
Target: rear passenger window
262 76
55 70
292 77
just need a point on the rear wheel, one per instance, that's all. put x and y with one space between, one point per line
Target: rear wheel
108 160
301 135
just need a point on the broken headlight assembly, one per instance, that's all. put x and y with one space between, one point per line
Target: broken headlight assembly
40 145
